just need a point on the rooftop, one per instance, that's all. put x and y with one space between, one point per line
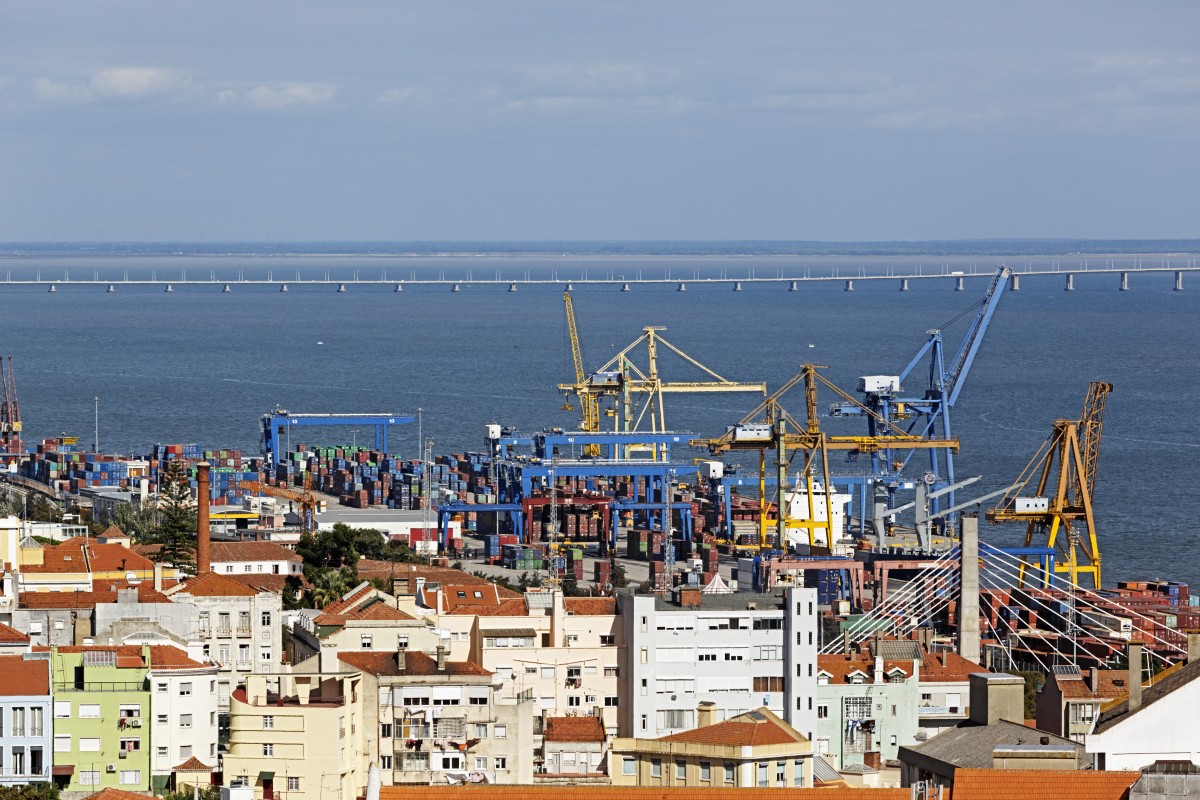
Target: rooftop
955 668
591 606
70 556
415 663
593 792
213 584
24 676
10 635
1164 683
145 594
574 729
971 746
752 729
223 552
841 667
739 601
990 784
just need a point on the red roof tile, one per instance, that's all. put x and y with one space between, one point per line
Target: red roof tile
841 667
70 556
591 606
24 677
193 764
574 729
753 728
990 784
146 594
955 670
251 551
115 794
12 635
212 584
415 663
592 792
163 656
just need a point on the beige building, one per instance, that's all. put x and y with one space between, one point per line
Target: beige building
755 749
433 720
298 737
574 746
363 619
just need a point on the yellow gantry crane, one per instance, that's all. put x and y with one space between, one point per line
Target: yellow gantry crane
636 394
767 427
1074 449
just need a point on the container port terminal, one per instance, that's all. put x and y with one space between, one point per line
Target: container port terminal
672 508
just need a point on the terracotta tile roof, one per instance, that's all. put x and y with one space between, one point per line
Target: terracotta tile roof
753 728
493 601
415 663
112 531
115 794
251 551
146 594
375 611
164 656
955 670
69 557
260 582
112 584
841 667
24 677
193 764
357 595
12 635
1109 685
990 784
369 569
574 729
591 606
213 584
591 792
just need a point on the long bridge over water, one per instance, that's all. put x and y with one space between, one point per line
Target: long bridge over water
624 282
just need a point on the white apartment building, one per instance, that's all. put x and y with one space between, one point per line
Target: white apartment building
183 702
737 651
238 627
260 558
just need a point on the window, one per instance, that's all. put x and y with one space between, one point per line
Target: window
680 770
130 744
611 701
607 640
62 709
161 752
729 772
656 768
268 722
733 656
548 672
768 684
89 745
501 763
62 743
266 619
89 711
644 722
675 718
772 624
185 689
185 720
223 652
18 721
762 774
248 568
89 778
451 762
530 670
160 719
781 773
385 730
131 777
706 770
161 688
708 657
645 655
573 701
243 652
264 655
769 653
294 782
612 672
185 752
823 711
385 762
500 731
268 749
366 640
480 762
798 773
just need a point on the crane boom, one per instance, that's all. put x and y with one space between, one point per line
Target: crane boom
305 497
1091 423
957 375
573 334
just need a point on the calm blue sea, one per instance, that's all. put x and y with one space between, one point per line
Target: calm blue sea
198 365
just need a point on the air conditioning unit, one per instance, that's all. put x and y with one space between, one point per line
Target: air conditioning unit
111 768
123 754
135 723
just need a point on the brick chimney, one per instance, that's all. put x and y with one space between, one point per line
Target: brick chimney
873 759
441 658
203 549
690 597
1133 681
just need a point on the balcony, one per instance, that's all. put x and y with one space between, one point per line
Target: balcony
243 630
224 632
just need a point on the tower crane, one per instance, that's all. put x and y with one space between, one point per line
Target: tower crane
305 497
767 427
589 400
1061 513
927 414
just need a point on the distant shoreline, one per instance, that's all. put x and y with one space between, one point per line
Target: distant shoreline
965 247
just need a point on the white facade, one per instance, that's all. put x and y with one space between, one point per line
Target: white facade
739 652
1166 729
280 566
183 717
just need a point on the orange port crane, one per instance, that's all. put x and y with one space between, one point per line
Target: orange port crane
10 413
305 497
1074 447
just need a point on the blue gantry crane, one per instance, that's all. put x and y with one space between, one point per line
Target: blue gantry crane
928 414
280 420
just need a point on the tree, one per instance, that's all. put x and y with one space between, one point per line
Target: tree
30 791
206 793
176 530
140 521
327 585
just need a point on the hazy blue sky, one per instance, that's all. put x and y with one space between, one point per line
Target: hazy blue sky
389 120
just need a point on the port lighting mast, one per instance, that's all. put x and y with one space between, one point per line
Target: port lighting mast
1058 509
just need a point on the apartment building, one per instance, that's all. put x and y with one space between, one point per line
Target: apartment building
563 653
363 619
737 651
435 720
866 707
298 736
184 725
755 749
238 627
26 721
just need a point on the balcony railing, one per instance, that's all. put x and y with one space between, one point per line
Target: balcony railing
225 631
243 630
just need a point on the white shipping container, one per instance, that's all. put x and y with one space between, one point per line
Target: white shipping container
879 384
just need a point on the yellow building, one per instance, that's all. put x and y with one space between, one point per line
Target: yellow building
755 749
298 737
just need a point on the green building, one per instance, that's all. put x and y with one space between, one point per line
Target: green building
101 716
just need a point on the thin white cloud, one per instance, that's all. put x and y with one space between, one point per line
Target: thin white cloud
290 96
399 94
54 91
135 82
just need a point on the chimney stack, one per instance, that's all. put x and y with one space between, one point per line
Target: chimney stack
968 604
441 658
1133 681
402 657
706 713
158 576
203 555
1193 647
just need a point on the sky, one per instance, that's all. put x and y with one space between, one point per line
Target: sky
381 120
